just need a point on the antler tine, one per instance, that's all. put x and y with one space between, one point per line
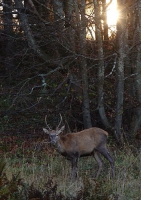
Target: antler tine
60 121
46 123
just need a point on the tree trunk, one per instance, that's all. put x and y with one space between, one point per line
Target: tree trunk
30 38
8 29
105 21
137 122
122 44
83 64
58 13
69 24
101 68
68 9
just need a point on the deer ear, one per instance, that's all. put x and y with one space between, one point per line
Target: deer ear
61 129
45 131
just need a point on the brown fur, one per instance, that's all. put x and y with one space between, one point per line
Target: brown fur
83 143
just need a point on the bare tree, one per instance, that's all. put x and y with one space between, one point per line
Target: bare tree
27 30
58 6
122 50
137 42
84 68
101 68
8 28
81 32
54 33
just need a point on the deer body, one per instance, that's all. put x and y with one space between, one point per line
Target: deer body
83 143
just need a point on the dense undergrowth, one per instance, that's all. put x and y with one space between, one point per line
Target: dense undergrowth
37 171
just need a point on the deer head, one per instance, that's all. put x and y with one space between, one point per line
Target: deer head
53 134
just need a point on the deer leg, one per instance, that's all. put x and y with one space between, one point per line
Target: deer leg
74 167
106 154
99 162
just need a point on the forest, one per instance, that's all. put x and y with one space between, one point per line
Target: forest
63 58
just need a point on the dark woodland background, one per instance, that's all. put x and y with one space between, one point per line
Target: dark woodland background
49 67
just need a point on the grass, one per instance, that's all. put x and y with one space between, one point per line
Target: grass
48 171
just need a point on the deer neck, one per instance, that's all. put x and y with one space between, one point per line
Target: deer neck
60 145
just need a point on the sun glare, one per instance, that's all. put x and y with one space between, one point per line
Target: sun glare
112 17
112 13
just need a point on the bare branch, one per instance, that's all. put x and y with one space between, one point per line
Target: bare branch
114 66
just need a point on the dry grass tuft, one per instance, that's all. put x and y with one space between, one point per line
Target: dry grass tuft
51 173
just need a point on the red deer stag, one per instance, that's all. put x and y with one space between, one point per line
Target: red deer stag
90 141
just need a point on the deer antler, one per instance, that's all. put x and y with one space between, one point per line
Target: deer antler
60 121
46 123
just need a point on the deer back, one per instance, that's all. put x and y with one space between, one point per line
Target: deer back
83 142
